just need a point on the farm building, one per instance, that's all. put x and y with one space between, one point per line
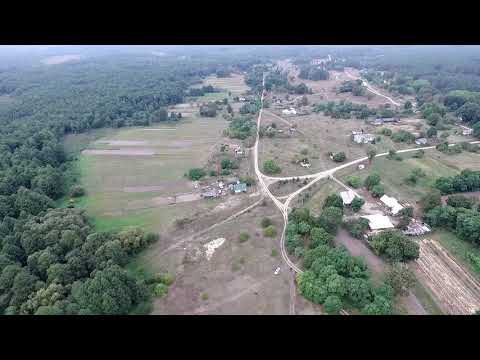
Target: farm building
467 132
362 138
416 228
347 197
378 222
239 188
305 163
392 203
209 194
290 111
381 121
421 141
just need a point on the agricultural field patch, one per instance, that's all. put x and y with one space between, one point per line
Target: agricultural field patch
234 83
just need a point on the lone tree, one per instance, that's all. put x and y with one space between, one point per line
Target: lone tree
371 153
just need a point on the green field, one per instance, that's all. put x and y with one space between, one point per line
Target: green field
393 174
209 97
119 192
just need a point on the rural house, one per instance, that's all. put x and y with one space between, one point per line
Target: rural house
467 132
391 203
381 121
209 194
290 111
421 141
378 222
362 138
239 188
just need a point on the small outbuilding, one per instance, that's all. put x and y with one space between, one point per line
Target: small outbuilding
392 203
378 222
290 111
417 228
209 194
362 138
421 141
239 188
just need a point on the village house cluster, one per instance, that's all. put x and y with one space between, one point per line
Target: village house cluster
222 188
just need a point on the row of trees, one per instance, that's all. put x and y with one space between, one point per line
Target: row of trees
347 110
467 180
463 221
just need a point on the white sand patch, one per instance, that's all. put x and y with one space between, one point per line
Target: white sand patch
211 246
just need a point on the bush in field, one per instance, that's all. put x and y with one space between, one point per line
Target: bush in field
386 132
333 200
270 231
371 181
419 154
357 204
354 181
339 157
271 167
265 222
77 191
243 237
378 190
196 174
403 136
431 200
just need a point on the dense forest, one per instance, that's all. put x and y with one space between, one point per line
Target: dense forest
51 260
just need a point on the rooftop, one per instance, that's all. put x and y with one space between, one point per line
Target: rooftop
392 203
378 222
347 197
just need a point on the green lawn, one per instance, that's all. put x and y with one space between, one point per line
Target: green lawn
393 174
209 97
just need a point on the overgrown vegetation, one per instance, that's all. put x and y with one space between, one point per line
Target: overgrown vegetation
332 276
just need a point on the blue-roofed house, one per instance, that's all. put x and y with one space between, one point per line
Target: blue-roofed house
239 188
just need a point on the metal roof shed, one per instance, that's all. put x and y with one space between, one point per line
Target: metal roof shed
378 222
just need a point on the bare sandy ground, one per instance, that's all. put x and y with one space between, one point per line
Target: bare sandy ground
120 152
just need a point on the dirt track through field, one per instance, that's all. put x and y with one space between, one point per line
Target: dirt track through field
456 291
120 152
